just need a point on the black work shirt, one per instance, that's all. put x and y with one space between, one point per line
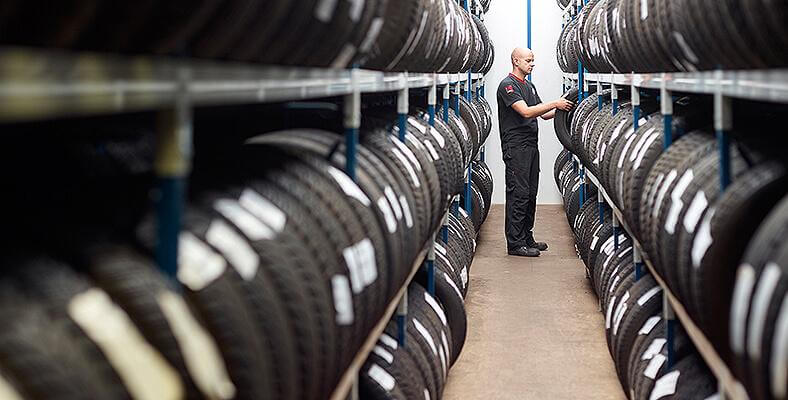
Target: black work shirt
517 130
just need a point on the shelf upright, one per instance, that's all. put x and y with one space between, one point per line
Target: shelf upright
666 99
172 166
432 98
402 113
352 124
723 123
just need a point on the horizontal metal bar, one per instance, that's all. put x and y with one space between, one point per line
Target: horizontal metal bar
766 85
40 84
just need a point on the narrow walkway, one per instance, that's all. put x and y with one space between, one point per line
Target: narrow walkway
534 331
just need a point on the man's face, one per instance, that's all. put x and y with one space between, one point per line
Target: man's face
526 64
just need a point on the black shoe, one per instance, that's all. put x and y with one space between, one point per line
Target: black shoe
524 251
541 246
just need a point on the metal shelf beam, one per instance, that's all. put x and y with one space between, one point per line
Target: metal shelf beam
766 85
733 388
40 84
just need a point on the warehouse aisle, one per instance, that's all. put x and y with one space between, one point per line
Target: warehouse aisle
534 331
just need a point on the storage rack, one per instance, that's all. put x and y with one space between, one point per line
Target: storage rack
760 85
37 84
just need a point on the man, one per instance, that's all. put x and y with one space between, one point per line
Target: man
518 107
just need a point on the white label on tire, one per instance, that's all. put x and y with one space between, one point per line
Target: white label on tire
613 285
388 215
356 6
703 239
427 395
442 357
198 264
435 307
145 373
432 151
348 186
263 209
669 178
404 161
665 386
251 226
438 138
654 365
235 248
394 202
695 211
343 300
649 325
388 341
617 131
593 242
426 334
453 286
653 349
745 281
445 352
324 10
360 259
383 378
406 211
761 300
648 295
609 313
406 151
676 205
643 9
620 317
200 353
640 144
384 354
372 34
779 360
652 138
7 390
689 55
623 155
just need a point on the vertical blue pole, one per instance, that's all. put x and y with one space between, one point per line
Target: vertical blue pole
638 259
666 98
528 27
169 209
723 123
351 141
352 123
173 160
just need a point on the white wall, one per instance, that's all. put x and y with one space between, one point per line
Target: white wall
507 24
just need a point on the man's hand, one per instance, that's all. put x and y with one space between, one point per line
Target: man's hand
563 104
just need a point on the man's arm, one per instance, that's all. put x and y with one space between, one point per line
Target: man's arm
534 111
549 115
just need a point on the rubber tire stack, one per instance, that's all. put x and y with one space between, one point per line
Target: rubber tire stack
388 35
674 35
693 235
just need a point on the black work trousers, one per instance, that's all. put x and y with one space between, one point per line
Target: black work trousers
522 183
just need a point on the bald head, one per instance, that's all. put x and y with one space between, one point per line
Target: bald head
520 53
522 61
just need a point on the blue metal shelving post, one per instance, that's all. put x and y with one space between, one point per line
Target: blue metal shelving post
402 106
635 91
723 123
352 123
446 97
599 98
613 95
666 100
432 98
600 202
638 260
172 165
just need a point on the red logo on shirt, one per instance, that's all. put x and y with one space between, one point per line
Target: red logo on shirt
509 89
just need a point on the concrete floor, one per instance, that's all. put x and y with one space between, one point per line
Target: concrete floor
534 331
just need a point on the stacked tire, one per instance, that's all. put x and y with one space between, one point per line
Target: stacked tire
285 264
674 35
412 35
692 232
